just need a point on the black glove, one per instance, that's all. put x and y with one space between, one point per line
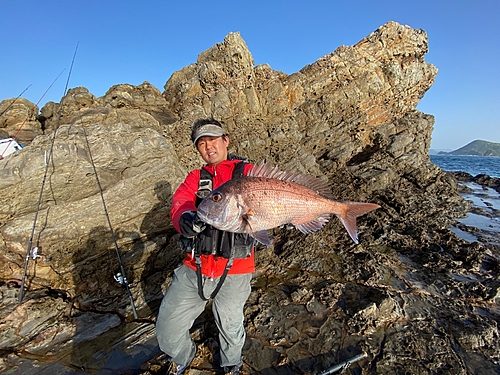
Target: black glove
190 224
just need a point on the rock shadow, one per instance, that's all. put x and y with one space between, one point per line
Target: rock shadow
98 304
159 244
101 306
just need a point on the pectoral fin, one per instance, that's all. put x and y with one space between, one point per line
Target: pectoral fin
262 237
248 215
246 226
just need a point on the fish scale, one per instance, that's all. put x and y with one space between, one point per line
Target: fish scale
268 198
285 202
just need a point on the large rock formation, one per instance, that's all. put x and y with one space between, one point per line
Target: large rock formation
412 295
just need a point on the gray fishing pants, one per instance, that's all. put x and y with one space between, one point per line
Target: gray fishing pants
182 304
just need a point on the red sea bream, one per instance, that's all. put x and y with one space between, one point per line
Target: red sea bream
268 198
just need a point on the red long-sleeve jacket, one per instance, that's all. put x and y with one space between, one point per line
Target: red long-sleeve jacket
184 199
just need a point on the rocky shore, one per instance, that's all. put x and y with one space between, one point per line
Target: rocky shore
416 295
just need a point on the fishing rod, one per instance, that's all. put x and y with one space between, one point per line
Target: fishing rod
32 110
344 365
10 105
120 277
30 250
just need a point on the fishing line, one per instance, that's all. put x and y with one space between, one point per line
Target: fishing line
10 105
31 250
120 278
33 109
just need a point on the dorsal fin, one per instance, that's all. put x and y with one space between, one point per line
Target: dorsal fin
266 170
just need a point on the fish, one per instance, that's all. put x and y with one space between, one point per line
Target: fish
268 197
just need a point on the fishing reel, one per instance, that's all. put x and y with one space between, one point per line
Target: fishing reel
119 278
34 253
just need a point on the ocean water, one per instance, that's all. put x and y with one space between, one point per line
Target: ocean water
473 165
482 197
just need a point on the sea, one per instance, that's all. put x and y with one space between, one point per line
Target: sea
482 197
473 165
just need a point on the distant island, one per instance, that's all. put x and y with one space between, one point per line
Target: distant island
476 148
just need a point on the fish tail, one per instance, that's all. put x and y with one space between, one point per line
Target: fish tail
351 212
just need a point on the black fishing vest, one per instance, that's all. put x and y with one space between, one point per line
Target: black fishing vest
215 241
212 240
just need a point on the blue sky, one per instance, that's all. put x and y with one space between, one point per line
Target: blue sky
136 41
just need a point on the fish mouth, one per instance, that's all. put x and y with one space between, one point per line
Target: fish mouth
205 217
202 214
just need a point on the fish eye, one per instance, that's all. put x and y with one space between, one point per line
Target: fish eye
217 197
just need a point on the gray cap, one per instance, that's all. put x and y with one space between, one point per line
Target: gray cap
210 130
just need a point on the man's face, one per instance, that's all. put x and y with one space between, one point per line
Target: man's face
213 149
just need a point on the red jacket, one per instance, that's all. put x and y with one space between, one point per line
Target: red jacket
184 200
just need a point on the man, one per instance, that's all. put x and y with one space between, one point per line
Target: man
218 265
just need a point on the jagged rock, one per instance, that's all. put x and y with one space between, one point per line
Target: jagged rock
412 295
144 97
19 119
53 115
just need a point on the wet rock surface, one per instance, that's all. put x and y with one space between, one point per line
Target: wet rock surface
420 294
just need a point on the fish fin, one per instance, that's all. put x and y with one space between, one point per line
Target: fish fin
349 215
265 170
246 225
315 225
263 237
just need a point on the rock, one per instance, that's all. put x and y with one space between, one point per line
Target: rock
52 115
485 180
409 291
18 120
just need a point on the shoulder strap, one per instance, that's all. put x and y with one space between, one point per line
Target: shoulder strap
222 278
238 170
205 184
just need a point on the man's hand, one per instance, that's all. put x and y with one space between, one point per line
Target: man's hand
190 224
